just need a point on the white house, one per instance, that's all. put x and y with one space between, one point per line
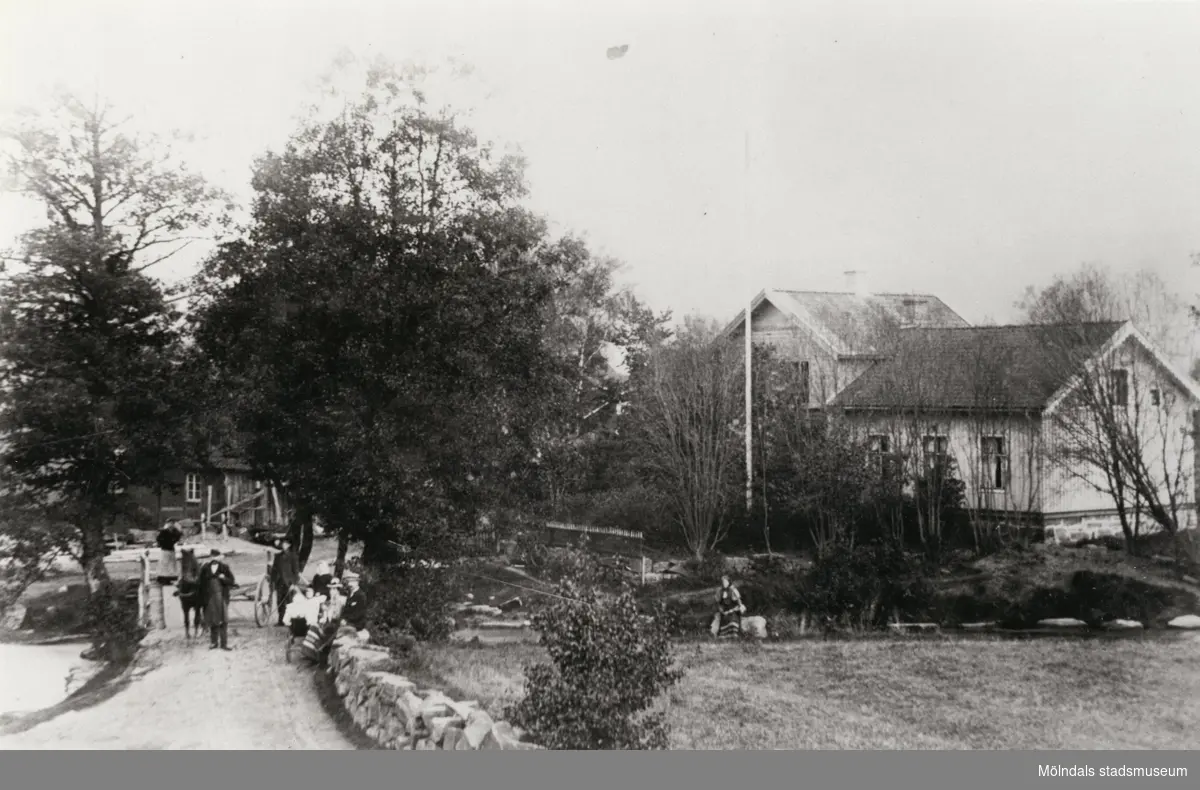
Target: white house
1019 409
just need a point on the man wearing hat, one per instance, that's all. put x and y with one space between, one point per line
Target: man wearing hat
354 611
216 580
285 573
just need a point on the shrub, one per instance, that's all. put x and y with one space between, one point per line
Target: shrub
775 591
1101 597
531 551
578 564
608 664
863 586
638 507
708 570
114 622
409 601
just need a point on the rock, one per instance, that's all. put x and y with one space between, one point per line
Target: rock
463 709
470 596
401 742
14 618
424 744
65 588
1123 625
373 733
439 724
1191 580
905 628
501 624
484 609
511 604
1062 622
755 626
1188 621
479 724
451 738
978 626
435 706
501 736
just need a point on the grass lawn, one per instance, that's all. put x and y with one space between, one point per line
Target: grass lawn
897 693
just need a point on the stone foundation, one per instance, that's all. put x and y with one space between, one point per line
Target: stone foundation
395 714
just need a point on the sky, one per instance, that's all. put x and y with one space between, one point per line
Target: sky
965 149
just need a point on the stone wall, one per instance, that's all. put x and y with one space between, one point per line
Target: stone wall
395 714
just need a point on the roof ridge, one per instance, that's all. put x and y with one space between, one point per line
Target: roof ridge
853 293
1015 326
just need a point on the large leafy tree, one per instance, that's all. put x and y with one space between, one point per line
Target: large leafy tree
379 327
90 340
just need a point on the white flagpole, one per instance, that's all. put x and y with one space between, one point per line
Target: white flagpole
749 351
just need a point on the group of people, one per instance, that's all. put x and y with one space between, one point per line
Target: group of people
314 611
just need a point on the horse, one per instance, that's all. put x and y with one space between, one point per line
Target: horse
189 591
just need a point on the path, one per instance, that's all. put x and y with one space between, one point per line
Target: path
185 696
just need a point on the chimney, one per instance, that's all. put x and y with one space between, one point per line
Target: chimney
856 282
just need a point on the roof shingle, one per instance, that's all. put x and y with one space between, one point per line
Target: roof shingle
1000 367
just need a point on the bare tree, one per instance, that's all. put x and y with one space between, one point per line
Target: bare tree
1124 427
689 412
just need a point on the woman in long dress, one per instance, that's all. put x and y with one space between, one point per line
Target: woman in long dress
168 567
729 610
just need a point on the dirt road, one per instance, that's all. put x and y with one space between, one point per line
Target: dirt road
185 696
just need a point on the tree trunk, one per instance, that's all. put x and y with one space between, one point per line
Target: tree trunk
301 534
339 565
92 559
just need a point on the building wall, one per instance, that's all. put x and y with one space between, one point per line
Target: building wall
827 376
1077 492
227 487
1021 496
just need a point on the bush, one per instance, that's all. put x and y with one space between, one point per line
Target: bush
709 570
637 507
409 602
1101 597
114 621
580 565
773 591
609 663
863 586
531 551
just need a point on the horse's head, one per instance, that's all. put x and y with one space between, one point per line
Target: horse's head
189 568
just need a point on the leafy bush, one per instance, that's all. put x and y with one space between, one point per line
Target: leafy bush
409 601
772 591
608 664
1101 597
580 565
114 621
708 571
863 586
532 551
638 507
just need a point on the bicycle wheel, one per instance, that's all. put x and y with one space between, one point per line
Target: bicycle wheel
264 602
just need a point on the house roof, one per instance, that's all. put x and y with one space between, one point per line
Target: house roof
852 324
995 367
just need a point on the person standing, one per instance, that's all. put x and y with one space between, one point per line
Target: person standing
354 611
216 581
168 538
286 572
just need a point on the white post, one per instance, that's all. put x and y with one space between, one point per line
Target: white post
225 512
749 407
207 514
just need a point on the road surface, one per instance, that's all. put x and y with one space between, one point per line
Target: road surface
185 696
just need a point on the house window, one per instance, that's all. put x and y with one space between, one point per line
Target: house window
192 488
1155 398
995 462
1119 383
935 451
879 450
804 382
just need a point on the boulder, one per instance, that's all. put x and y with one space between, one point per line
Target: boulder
755 626
511 604
463 709
479 725
1188 621
1123 625
14 618
439 724
501 736
1062 622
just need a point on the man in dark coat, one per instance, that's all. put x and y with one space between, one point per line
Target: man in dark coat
216 580
286 573
355 610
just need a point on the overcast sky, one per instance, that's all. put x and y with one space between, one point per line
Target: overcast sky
966 149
